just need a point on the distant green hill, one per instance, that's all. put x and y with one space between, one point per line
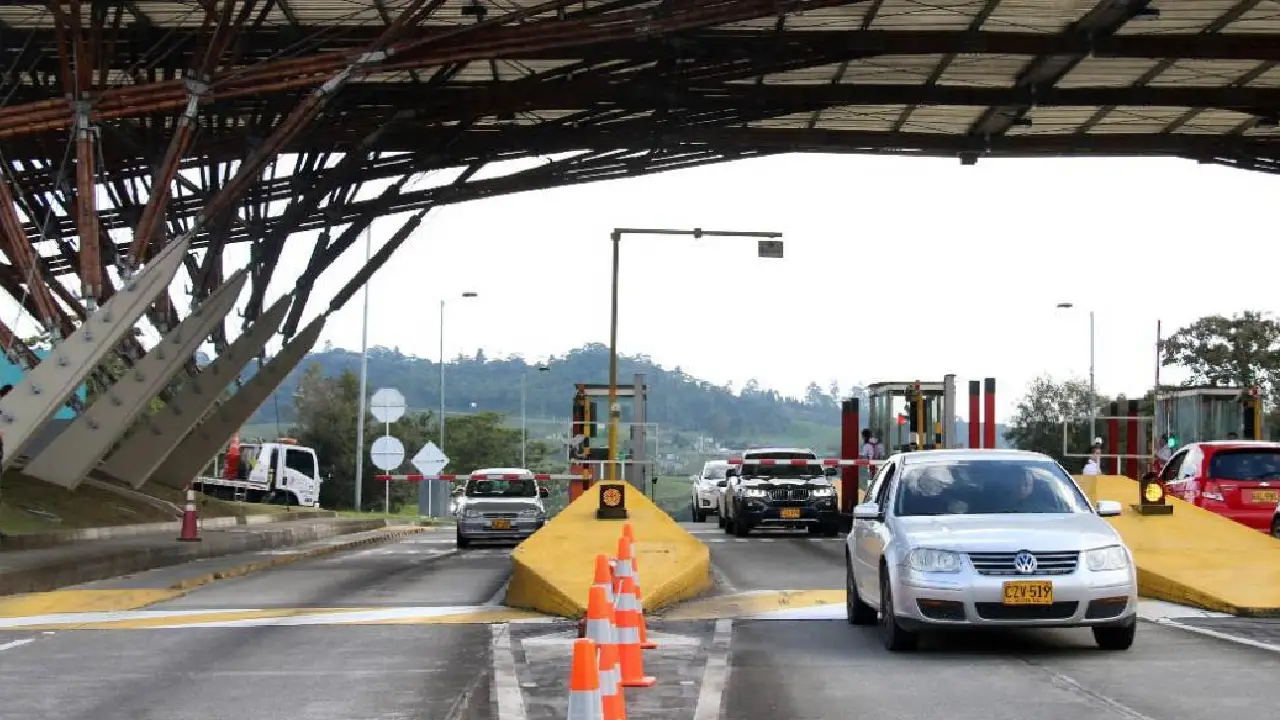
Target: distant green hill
685 408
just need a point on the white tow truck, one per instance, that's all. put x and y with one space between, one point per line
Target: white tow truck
280 472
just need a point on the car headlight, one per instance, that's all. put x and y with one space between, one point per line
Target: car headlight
1112 557
754 492
470 513
933 561
823 492
530 512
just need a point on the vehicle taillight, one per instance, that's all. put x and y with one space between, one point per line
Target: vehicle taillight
1211 491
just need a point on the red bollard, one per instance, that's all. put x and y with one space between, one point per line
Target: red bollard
190 531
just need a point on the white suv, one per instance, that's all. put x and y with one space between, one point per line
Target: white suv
707 487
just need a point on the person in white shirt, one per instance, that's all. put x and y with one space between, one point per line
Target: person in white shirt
870 446
1164 452
1093 466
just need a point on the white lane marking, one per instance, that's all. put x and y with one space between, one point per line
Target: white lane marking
1069 683
499 595
16 644
1218 635
1159 610
506 682
715 678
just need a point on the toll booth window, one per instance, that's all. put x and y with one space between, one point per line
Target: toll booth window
1245 465
248 460
502 488
267 461
300 461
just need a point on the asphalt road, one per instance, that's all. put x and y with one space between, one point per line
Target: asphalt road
707 669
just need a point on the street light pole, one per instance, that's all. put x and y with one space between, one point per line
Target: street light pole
1093 389
524 432
364 374
615 410
425 487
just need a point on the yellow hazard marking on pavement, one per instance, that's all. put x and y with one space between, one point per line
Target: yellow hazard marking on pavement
753 603
82 601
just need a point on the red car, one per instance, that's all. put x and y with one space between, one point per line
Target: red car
1236 479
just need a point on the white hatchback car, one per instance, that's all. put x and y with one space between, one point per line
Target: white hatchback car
986 538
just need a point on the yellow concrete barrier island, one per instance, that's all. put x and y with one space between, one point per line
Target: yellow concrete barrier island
552 570
1195 557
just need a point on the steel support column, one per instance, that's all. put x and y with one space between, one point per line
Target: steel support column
157 437
195 450
73 454
46 386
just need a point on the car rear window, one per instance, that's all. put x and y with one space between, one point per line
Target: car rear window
1245 464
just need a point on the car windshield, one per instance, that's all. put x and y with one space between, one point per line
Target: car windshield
782 472
983 487
1250 464
502 488
715 472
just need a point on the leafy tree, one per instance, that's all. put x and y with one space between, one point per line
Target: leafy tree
1243 349
1047 404
326 408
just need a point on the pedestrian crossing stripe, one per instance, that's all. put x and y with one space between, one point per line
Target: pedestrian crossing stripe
276 617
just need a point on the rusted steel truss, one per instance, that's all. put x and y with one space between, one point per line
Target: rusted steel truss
241 124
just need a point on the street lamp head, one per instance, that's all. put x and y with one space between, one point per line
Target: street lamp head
1066 305
470 294
543 368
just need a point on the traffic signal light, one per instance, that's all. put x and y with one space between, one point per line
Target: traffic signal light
902 419
1173 441
1151 496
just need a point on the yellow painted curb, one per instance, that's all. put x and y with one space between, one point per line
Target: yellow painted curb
552 571
87 601
1195 557
754 603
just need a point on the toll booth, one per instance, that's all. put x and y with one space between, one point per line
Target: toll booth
588 445
1203 414
913 415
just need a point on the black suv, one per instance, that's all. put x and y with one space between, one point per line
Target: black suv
783 496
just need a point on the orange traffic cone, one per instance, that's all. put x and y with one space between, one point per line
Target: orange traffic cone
584 682
600 618
627 564
613 703
190 530
630 619
604 577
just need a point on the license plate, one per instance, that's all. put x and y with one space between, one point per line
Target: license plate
1028 592
1268 497
500 524
790 513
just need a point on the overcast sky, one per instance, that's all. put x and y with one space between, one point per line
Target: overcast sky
895 269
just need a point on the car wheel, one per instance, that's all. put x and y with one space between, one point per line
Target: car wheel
740 529
463 542
830 531
699 516
894 637
728 525
720 520
855 611
1113 637
1275 527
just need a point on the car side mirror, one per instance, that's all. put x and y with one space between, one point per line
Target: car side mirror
830 472
1109 508
866 511
544 492
721 483
733 472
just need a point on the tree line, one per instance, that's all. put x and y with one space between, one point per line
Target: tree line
1238 351
324 411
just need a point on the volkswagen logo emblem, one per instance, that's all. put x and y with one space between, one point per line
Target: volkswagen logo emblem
1024 563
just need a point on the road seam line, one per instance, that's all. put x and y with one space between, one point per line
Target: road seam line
715 677
1069 683
506 681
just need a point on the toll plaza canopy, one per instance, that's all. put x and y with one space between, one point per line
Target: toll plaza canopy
251 120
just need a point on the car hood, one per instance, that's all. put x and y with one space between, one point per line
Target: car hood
1009 533
785 482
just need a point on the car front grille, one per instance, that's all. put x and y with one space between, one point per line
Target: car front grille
999 611
1047 563
500 515
785 494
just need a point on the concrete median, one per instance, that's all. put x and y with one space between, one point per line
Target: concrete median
52 568
1195 557
553 570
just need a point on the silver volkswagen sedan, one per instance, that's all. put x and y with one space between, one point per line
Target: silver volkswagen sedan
500 504
984 539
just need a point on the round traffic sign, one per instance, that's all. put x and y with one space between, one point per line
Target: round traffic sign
387 453
387 405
